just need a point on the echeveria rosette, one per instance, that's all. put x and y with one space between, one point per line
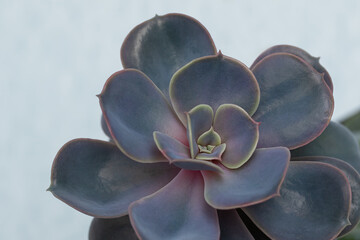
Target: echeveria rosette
226 131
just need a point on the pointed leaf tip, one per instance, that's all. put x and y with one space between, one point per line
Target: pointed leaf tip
313 61
293 96
134 108
160 46
95 178
50 188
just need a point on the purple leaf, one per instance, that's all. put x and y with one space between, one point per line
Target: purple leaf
95 178
256 181
313 61
163 44
177 211
314 203
238 131
295 106
134 108
213 80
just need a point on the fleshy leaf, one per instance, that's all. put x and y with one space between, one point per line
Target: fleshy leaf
163 44
314 203
198 120
114 228
232 227
256 181
179 154
209 137
354 181
213 80
104 127
313 61
95 178
196 165
134 108
171 148
295 106
336 141
177 211
214 155
238 131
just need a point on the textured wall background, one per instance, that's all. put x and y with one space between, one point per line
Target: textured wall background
56 55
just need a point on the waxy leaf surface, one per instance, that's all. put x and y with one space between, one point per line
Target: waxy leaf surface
209 137
114 228
198 120
171 148
134 108
177 211
179 154
215 155
213 80
163 44
95 178
196 164
104 127
256 181
313 61
232 227
314 203
354 181
238 131
295 106
337 142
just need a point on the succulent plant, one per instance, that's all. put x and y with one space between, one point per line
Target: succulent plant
203 147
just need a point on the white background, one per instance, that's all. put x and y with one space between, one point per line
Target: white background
56 55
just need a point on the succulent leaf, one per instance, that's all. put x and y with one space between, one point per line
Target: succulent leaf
95 178
134 108
171 148
213 80
256 181
114 228
209 137
177 211
238 131
196 165
337 142
232 227
182 172
314 203
215 154
179 154
313 61
295 106
163 44
104 127
198 120
354 181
